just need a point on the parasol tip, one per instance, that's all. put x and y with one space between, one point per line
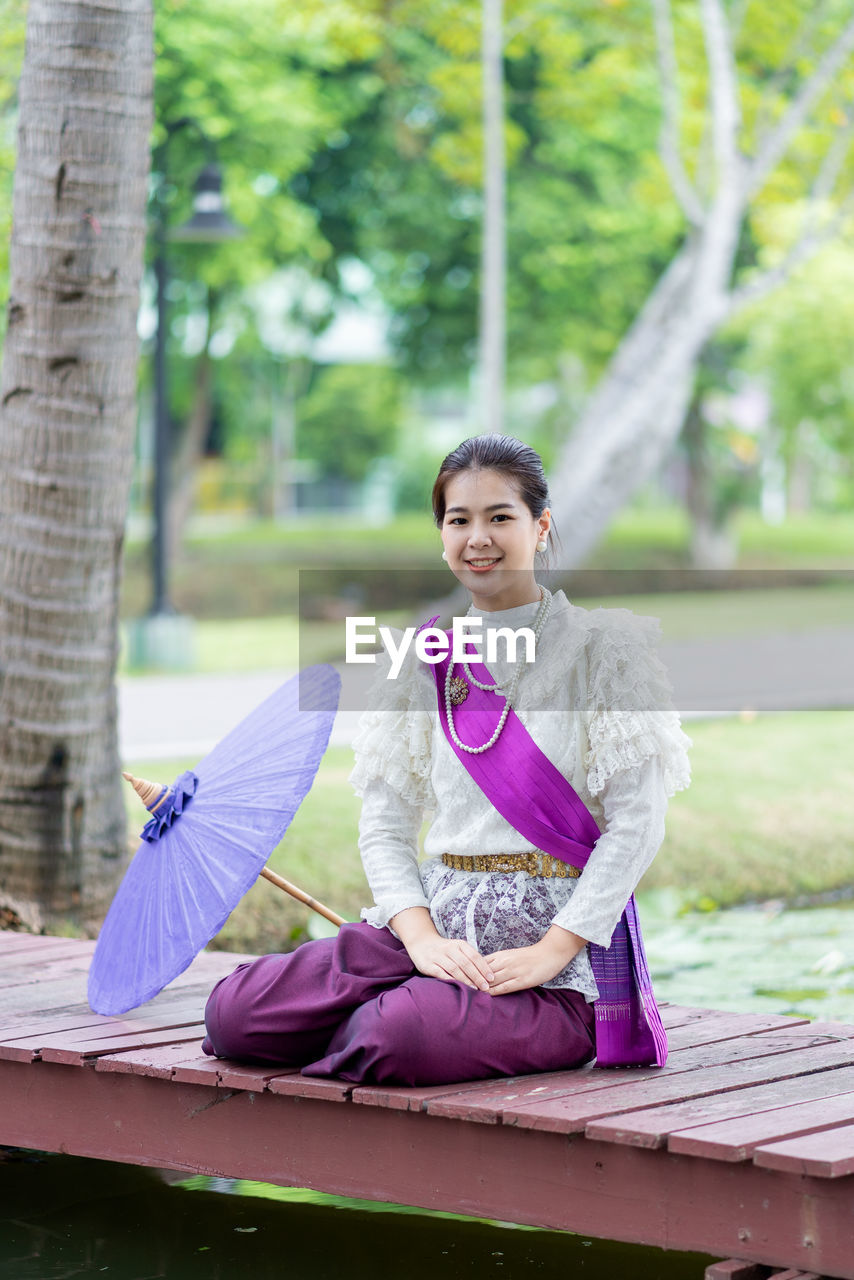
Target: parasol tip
150 793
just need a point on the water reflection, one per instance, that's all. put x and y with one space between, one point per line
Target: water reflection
768 958
62 1217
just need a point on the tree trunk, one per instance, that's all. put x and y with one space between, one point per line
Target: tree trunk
67 420
636 413
493 285
712 542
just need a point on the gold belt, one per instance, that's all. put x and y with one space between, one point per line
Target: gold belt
536 864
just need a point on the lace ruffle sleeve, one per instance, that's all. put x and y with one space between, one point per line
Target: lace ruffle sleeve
393 750
394 738
630 714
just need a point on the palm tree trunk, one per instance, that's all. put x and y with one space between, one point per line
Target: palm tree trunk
67 421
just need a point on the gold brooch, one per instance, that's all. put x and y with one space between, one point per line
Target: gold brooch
459 690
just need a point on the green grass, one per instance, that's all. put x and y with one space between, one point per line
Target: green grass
663 528
811 538
819 536
686 615
258 644
814 539
769 814
252 570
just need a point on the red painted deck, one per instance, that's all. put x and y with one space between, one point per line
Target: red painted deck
742 1147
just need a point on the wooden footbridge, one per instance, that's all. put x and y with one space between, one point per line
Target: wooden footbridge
741 1147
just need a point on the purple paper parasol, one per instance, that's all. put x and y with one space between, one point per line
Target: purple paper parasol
208 841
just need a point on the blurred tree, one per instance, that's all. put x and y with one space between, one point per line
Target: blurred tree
722 460
751 117
786 101
67 419
258 79
349 418
801 349
589 224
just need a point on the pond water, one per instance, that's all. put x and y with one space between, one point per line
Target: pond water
62 1217
767 958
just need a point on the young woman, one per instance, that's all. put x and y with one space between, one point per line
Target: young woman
495 956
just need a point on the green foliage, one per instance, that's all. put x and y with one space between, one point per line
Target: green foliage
352 129
349 418
800 343
12 30
590 222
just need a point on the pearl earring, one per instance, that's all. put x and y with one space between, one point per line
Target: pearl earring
444 555
541 545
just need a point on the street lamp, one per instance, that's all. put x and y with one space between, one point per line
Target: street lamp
164 637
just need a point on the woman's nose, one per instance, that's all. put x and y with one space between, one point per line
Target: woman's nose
479 537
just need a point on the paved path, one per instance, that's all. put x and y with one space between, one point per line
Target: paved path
167 717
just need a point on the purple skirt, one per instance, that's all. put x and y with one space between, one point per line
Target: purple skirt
355 1007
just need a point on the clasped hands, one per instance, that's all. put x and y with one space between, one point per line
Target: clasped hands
455 960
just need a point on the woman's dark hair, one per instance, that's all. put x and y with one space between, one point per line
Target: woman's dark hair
516 461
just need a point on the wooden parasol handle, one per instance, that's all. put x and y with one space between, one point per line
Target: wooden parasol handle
302 896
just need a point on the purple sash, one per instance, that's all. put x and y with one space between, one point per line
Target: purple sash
535 798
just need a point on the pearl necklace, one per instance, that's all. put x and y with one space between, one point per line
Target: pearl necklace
510 693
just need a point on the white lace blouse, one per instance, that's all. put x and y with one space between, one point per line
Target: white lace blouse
597 701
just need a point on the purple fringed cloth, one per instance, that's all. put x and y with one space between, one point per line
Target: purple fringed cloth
535 798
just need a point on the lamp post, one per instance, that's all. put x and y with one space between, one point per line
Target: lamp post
164 637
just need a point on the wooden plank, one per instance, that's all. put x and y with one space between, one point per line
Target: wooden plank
158 1061
197 1070
793 1274
299 1086
58 965
564 1097
651 1127
171 1062
736 1139
820 1155
502 1172
17 1010
97 1027
46 1025
236 1075
417 1097
492 1096
76 1054
572 1113
735 1269
557 1083
726 1026
61 994
677 1015
743 1048
22 1023
67 993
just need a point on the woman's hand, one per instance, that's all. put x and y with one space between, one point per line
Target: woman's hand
523 967
450 959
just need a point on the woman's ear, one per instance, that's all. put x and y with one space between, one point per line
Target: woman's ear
545 523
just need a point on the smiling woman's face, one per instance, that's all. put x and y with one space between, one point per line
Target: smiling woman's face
490 538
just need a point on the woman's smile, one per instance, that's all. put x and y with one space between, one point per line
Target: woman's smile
490 538
480 565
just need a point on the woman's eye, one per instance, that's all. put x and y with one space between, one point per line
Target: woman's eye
457 520
501 516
